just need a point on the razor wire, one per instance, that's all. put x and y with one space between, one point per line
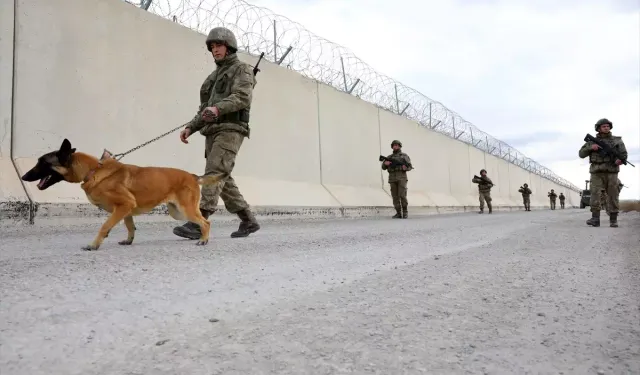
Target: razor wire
290 44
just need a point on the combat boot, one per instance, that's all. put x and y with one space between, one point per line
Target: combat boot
613 220
595 219
191 230
405 212
481 210
490 207
398 214
248 224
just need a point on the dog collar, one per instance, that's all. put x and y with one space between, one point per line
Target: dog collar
92 172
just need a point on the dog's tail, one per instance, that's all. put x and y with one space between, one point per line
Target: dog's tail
210 180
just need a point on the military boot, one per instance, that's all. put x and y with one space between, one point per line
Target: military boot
405 212
490 207
248 224
613 220
398 214
481 210
595 219
191 230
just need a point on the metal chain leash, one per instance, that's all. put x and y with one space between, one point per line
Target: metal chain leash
120 156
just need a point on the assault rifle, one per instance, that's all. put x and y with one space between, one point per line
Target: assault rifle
255 68
395 163
605 149
481 178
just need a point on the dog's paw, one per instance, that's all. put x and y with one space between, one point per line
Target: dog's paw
202 242
125 242
90 248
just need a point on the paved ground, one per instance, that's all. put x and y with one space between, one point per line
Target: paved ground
510 293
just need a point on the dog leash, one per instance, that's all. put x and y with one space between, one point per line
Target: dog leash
120 156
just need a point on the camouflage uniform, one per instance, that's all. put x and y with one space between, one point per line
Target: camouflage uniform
562 198
552 199
604 174
398 180
526 196
484 190
229 88
604 198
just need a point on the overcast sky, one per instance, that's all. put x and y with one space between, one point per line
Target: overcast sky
536 74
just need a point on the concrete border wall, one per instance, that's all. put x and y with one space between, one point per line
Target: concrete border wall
312 151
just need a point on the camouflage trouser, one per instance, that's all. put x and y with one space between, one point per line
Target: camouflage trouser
484 196
562 204
552 202
527 201
608 182
399 194
221 151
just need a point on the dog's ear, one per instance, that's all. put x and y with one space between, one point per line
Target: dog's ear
64 154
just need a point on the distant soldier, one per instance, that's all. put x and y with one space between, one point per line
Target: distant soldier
552 199
562 198
604 171
398 164
526 196
484 189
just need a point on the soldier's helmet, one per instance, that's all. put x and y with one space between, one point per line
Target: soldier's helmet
396 142
551 189
603 121
525 184
224 36
483 170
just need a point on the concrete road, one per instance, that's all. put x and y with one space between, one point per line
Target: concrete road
508 293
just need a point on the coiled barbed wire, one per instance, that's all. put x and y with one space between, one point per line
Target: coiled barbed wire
290 44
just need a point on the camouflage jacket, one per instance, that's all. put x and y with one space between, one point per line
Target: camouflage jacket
561 197
604 163
484 184
396 173
552 196
525 191
230 89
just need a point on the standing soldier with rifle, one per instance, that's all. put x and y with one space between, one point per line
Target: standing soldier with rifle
606 153
223 118
398 164
526 196
552 199
484 189
562 198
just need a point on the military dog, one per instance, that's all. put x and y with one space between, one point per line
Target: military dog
629 205
124 190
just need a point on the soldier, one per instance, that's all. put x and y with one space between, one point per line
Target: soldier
398 164
484 189
562 198
604 171
552 198
223 118
526 194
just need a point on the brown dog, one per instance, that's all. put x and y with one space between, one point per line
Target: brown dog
124 190
629 205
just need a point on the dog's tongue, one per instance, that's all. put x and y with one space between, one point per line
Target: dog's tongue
41 183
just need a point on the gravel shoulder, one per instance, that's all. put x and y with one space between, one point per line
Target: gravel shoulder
518 293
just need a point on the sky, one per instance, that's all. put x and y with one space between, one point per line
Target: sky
536 74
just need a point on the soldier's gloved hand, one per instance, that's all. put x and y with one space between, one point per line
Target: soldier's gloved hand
210 114
618 161
595 147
